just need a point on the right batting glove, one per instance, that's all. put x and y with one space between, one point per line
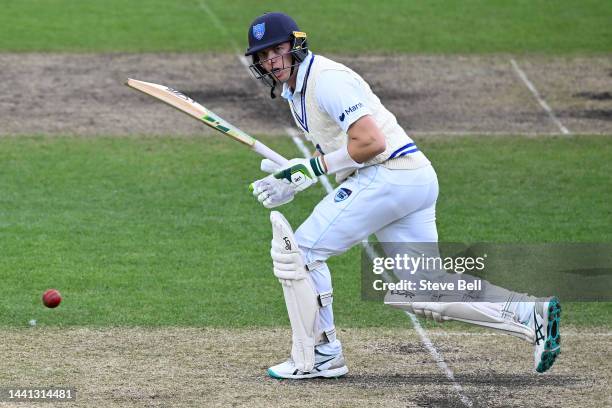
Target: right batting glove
301 173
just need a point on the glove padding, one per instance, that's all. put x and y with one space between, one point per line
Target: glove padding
300 173
272 192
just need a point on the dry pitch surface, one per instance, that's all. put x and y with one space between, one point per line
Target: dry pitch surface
84 94
219 367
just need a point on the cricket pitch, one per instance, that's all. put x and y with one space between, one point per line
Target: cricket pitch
183 367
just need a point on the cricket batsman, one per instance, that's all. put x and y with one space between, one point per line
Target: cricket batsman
387 187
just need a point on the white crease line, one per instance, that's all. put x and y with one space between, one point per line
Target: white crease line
327 185
217 22
540 100
439 360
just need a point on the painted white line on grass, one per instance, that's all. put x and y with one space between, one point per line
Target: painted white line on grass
328 188
439 360
536 94
217 22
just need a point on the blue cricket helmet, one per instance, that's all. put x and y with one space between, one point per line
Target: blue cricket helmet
274 28
269 30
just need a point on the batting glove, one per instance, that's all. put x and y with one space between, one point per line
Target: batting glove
301 173
272 192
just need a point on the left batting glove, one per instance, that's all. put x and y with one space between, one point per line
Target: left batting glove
301 173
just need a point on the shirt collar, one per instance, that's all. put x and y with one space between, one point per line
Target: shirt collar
302 69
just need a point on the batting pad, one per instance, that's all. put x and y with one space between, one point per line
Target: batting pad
490 315
300 295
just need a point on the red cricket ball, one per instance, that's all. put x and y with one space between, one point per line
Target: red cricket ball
51 298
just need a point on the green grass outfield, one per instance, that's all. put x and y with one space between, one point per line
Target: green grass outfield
163 231
391 26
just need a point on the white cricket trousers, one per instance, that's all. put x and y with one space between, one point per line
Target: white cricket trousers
396 205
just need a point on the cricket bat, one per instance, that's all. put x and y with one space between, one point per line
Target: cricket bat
187 105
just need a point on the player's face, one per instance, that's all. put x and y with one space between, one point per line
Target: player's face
277 60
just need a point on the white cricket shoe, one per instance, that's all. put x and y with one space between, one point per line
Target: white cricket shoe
328 366
545 321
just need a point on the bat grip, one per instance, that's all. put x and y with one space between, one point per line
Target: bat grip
268 153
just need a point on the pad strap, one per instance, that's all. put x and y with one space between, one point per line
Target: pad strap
326 298
327 336
311 266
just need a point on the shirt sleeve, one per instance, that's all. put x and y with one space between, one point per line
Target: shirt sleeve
342 97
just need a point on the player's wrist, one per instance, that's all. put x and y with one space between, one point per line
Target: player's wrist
318 166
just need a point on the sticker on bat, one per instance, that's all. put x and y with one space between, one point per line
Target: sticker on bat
216 123
180 95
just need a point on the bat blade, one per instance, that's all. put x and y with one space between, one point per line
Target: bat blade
187 105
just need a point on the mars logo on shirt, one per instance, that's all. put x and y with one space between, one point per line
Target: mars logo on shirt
353 108
349 110
342 194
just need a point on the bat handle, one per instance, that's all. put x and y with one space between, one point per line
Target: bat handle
268 153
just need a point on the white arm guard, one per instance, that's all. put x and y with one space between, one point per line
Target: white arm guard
340 160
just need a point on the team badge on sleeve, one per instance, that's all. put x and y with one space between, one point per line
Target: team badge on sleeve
259 30
342 194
